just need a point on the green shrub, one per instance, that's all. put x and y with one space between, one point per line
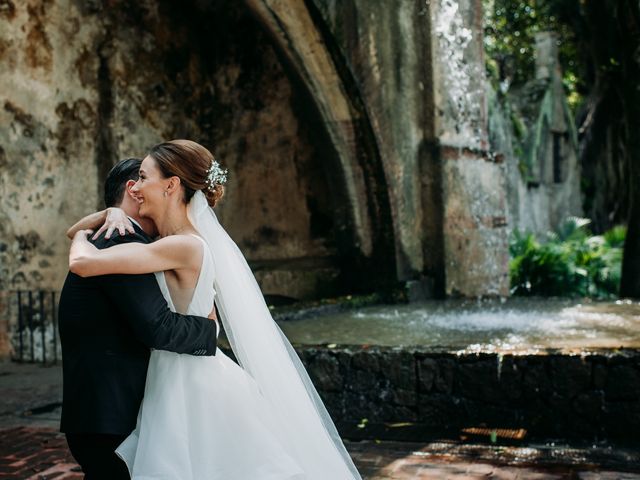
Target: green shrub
569 262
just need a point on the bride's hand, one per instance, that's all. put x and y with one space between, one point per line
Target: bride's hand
81 235
212 315
116 219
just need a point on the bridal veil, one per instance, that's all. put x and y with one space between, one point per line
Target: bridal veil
304 425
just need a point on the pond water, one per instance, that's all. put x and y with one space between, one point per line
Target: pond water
513 325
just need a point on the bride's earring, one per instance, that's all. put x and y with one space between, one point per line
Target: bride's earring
165 193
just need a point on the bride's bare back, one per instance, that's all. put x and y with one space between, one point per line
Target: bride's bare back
182 285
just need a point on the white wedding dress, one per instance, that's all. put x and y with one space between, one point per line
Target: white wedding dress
204 417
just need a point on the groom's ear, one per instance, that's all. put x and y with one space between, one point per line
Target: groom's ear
128 186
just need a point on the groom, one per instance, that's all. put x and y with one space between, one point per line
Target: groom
107 325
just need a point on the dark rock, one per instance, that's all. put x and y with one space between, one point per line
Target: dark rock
622 419
589 405
586 416
622 383
357 406
325 373
404 397
510 380
557 420
443 382
344 359
570 376
535 379
599 375
439 410
306 354
399 369
398 413
478 380
366 360
363 381
427 370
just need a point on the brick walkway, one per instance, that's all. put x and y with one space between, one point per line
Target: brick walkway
36 454
32 448
455 461
31 453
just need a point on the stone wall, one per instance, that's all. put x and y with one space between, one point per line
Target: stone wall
355 134
419 70
401 92
84 85
384 56
49 120
48 123
551 394
208 72
473 180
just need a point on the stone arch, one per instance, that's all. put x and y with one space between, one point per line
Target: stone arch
196 75
363 209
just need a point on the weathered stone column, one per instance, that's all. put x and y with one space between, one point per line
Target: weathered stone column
475 239
312 48
413 74
48 123
384 47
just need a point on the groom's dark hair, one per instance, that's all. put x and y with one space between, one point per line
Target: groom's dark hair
117 178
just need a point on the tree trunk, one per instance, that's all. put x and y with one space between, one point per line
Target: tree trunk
629 23
610 141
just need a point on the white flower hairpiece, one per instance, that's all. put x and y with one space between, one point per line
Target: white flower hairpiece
215 174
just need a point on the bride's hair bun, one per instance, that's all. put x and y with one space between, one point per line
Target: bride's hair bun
214 195
194 165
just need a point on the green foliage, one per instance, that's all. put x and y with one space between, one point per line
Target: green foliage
570 262
615 237
509 34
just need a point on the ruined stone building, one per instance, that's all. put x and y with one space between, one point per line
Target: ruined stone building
535 131
355 135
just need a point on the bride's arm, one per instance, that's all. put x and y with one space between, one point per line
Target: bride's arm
169 253
108 219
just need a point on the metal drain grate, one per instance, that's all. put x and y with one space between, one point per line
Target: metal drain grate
511 433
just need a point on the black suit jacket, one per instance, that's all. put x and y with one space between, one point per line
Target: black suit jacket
107 325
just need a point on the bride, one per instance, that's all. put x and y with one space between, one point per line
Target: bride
208 417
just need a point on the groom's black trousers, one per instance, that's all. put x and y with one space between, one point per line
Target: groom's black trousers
95 452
